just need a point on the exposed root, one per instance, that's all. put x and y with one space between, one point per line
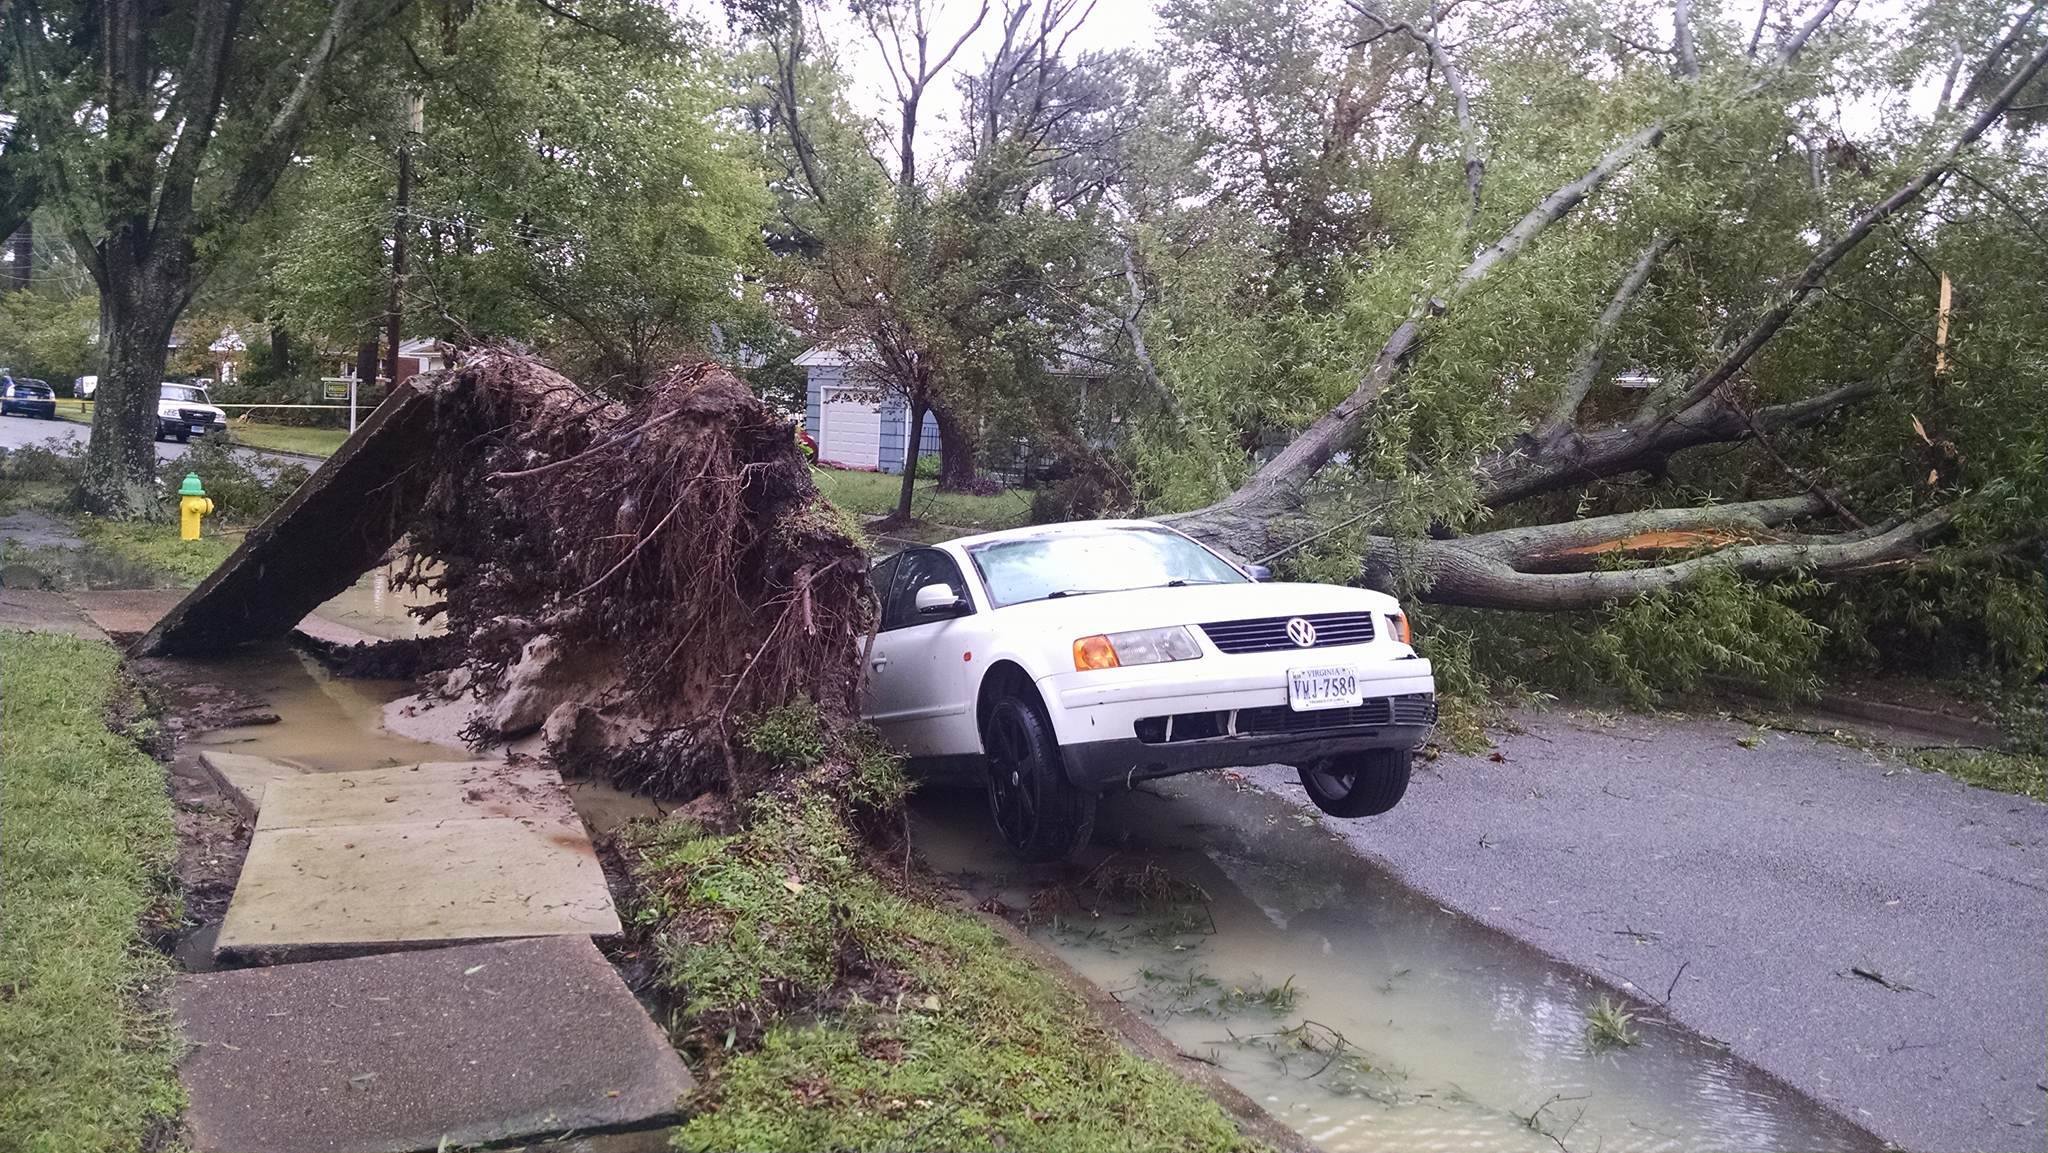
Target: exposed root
675 540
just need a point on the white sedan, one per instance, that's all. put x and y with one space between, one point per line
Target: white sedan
1052 663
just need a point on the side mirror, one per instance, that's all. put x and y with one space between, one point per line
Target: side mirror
939 600
1257 572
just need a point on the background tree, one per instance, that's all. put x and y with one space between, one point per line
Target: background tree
574 188
157 130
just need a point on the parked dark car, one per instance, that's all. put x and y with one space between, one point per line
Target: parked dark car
28 398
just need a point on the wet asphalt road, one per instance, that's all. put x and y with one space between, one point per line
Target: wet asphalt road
21 431
1771 875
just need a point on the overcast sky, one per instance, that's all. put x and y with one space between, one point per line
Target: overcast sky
1135 24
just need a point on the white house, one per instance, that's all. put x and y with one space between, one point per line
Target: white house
856 422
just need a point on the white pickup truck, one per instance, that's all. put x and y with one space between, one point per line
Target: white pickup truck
1052 663
184 411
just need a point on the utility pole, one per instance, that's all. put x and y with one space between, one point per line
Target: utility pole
395 306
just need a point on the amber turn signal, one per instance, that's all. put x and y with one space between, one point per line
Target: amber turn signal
1094 653
1399 623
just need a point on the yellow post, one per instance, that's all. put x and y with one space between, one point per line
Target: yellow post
192 505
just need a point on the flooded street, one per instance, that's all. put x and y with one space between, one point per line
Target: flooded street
1361 1014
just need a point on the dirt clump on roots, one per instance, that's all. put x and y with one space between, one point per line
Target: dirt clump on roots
635 578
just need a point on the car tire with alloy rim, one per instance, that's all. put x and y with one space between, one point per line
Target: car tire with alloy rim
1040 813
1363 784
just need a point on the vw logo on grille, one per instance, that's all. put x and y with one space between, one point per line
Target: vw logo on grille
1301 632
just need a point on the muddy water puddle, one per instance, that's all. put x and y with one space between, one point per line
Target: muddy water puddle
335 724
1357 1011
380 604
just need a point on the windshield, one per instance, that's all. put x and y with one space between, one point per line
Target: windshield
1108 560
184 392
31 388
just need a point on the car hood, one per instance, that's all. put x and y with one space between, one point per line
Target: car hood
173 407
1188 605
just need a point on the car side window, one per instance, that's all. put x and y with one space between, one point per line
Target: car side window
918 568
880 574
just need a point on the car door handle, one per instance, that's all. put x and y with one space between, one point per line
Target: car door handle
877 663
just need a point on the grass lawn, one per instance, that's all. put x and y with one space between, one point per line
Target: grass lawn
895 1023
872 494
86 1047
321 442
157 546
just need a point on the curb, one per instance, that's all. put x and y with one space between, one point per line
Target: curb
1848 706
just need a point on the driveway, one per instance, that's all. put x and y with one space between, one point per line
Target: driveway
22 431
1875 935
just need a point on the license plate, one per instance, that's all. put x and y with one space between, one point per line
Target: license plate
1327 688
198 428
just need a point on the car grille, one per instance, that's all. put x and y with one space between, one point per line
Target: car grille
195 416
1418 709
1269 634
1412 709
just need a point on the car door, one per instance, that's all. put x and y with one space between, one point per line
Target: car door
916 677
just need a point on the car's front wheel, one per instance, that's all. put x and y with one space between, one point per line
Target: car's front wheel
1363 784
1039 812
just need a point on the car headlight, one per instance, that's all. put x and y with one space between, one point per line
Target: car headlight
1137 647
1397 627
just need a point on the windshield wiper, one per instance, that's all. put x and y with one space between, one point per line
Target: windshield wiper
1053 596
1183 582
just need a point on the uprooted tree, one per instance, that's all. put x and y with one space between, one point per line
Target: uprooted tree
1737 276
647 576
638 580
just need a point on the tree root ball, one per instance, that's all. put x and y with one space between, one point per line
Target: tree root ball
671 545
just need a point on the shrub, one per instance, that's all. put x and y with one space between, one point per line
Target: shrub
242 487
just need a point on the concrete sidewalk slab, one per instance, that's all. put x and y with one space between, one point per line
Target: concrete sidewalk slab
450 851
245 778
44 611
427 793
400 1052
127 612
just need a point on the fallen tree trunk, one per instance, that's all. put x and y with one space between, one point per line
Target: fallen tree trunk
1496 570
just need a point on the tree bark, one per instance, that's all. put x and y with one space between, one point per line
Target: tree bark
120 464
909 487
958 448
1481 571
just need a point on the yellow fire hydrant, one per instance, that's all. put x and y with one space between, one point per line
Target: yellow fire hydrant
192 505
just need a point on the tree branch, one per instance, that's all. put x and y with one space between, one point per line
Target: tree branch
193 114
1532 467
1524 545
273 150
1454 79
1593 354
1136 334
1472 571
1688 64
1998 51
1817 269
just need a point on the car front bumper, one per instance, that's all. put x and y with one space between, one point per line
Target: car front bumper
1120 726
